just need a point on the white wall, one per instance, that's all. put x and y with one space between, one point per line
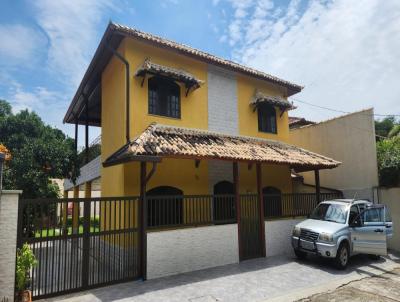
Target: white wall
184 250
349 139
278 236
391 198
222 101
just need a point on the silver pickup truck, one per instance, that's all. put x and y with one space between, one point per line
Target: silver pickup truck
341 228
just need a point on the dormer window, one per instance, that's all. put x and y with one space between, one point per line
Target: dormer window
266 118
164 97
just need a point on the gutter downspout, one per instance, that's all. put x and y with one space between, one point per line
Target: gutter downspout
123 60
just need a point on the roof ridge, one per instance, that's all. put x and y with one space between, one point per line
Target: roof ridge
201 53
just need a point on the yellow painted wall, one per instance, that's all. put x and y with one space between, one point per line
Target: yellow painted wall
124 179
113 124
193 107
248 118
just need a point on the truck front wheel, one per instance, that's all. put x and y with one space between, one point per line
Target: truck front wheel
342 256
300 254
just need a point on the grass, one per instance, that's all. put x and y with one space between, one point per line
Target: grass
57 232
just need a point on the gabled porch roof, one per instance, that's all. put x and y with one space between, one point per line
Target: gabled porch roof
175 142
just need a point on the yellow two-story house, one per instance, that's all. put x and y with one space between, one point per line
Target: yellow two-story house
183 124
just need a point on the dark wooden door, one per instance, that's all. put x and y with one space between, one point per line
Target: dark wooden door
250 241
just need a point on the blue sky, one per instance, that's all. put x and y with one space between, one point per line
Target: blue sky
344 52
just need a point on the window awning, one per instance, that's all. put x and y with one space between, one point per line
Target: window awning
148 67
260 98
159 141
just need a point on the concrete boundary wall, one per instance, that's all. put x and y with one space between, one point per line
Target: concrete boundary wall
278 236
184 250
391 198
8 242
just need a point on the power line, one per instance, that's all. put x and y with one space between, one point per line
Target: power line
341 111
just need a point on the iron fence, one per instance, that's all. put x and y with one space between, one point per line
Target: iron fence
80 243
189 210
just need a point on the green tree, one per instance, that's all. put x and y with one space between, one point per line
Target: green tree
39 152
388 151
383 127
395 131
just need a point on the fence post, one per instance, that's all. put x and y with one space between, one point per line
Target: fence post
86 243
261 208
237 202
9 203
143 221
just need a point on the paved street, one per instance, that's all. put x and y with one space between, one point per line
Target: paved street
277 278
381 288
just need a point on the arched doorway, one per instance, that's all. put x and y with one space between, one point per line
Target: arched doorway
224 202
272 202
164 206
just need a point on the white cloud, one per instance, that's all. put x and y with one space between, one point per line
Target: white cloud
345 53
38 98
19 44
71 27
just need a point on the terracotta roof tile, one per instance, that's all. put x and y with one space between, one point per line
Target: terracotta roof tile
203 55
168 141
260 98
174 73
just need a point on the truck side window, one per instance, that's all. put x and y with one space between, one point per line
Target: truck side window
353 213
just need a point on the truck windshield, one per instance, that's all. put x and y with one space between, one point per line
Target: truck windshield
330 212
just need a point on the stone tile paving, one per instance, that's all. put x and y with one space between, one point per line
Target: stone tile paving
253 280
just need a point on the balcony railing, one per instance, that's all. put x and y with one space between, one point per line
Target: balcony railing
192 210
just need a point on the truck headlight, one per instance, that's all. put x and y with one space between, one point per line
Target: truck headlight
296 231
326 237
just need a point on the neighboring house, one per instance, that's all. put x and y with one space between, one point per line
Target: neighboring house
199 141
297 122
351 140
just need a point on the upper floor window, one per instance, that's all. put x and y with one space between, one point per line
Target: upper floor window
164 97
266 118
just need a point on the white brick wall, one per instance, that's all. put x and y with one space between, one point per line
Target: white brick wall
219 170
185 250
222 101
278 236
8 242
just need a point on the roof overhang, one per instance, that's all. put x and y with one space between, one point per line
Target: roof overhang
150 68
89 89
160 141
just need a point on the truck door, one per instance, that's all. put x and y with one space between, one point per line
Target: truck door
368 231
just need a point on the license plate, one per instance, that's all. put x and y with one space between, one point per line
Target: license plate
307 245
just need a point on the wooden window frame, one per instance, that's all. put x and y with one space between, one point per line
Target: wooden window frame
265 113
164 97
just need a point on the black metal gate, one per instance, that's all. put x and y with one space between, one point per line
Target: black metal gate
81 243
251 244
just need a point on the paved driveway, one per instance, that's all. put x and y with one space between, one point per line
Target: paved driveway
383 288
277 278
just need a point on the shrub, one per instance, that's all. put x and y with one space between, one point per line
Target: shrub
25 261
388 151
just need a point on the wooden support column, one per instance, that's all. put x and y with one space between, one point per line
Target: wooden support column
88 189
64 212
143 221
317 186
237 203
75 212
76 136
86 130
261 208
